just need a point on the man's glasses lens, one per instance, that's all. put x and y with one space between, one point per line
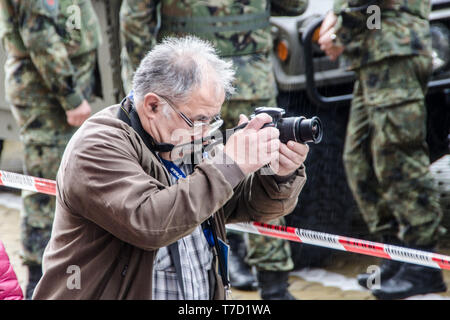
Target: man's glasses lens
212 126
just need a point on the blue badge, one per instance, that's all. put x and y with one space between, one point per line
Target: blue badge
224 252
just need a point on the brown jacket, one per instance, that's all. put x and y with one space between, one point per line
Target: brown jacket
115 208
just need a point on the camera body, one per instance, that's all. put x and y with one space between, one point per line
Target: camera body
299 129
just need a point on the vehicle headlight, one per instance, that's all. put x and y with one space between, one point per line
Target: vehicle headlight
440 38
282 50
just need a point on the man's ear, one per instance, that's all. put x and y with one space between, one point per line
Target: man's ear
150 105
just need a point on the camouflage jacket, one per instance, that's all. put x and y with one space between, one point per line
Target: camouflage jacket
238 29
403 29
51 34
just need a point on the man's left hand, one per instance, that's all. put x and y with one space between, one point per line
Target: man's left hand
292 156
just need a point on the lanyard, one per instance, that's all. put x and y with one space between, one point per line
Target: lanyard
174 170
209 229
177 173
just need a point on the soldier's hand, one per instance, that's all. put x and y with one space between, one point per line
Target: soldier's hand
327 37
252 147
328 22
77 116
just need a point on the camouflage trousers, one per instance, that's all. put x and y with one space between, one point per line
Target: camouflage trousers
38 209
386 155
44 133
268 254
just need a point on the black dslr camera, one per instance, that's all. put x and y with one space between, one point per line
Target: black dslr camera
298 129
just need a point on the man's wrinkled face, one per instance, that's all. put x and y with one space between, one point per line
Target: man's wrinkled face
184 122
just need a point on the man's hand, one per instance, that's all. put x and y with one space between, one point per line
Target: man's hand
327 36
252 147
292 156
77 116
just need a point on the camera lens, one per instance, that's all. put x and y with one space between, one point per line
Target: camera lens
300 129
310 130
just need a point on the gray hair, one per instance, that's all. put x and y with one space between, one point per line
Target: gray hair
176 67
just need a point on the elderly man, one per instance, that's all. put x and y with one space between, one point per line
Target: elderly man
135 221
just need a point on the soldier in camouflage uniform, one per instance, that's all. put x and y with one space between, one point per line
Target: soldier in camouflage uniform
240 31
49 75
386 155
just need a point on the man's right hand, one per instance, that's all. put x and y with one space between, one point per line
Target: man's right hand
252 147
77 116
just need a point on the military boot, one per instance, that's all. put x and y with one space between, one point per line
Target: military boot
273 285
241 276
411 280
34 275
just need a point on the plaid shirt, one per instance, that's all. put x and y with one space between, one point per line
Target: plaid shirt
195 258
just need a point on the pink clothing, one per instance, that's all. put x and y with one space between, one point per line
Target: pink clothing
9 285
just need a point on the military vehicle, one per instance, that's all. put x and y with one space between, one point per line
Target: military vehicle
309 84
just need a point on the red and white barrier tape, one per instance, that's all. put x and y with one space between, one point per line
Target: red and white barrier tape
23 182
342 243
429 259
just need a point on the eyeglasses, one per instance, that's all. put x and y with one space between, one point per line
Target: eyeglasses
214 124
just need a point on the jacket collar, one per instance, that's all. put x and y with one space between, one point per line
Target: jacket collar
128 114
